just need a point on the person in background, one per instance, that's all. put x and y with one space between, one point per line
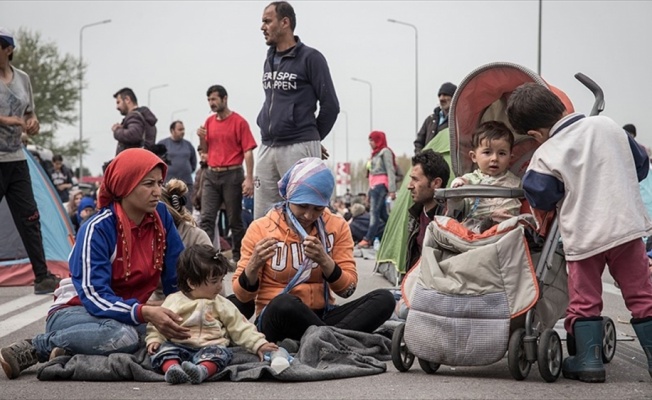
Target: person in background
72 206
631 129
438 120
61 177
138 128
86 209
17 116
182 158
382 181
228 142
359 223
296 79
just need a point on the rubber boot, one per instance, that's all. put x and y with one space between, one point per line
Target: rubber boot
587 364
643 329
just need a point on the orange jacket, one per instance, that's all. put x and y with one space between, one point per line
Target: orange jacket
279 270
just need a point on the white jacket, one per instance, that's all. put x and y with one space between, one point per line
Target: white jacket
589 171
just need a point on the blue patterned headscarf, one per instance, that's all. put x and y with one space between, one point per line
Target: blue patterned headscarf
309 181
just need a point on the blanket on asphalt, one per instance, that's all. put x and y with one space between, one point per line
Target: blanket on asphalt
324 353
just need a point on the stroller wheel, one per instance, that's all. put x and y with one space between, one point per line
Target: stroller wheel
549 355
517 361
428 367
608 339
401 356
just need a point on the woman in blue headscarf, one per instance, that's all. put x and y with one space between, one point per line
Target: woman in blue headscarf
297 255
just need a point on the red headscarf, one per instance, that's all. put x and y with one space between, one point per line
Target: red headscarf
381 142
121 177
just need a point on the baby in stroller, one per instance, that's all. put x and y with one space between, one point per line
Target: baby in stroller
492 144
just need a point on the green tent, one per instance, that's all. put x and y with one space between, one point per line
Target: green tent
390 258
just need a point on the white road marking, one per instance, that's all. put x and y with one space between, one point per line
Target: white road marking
31 315
24 301
23 319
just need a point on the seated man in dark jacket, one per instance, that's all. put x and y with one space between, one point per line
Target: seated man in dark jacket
359 223
429 172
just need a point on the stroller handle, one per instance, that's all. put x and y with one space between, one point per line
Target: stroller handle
598 104
482 191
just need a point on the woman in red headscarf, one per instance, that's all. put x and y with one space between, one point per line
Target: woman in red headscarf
121 254
382 181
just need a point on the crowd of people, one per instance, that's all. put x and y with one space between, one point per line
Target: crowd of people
148 260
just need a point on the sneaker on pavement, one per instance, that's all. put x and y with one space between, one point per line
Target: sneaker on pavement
17 357
46 285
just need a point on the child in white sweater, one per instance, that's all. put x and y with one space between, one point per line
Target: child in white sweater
214 322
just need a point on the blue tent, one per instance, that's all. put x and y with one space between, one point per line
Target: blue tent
56 230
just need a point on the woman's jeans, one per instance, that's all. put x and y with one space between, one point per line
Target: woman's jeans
78 332
378 211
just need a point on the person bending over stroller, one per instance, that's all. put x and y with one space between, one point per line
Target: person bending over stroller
578 170
492 144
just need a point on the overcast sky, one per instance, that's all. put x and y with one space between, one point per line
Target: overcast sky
192 45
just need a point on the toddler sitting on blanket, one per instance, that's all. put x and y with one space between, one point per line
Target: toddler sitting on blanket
492 146
214 322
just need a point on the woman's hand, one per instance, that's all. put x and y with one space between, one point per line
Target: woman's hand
153 347
267 347
313 249
166 322
263 251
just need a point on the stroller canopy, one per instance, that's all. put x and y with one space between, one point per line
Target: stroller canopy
482 96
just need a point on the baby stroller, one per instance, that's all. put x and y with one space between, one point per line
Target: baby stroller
474 297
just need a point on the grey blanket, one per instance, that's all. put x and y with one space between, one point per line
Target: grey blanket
324 353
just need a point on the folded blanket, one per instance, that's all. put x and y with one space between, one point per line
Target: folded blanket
324 353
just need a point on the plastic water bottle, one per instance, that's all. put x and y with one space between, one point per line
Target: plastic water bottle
279 360
376 244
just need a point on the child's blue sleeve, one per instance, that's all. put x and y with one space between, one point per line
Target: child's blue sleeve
542 191
641 160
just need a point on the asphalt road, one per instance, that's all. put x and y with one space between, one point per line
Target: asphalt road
21 316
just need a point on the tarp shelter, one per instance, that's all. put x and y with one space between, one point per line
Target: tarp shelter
56 230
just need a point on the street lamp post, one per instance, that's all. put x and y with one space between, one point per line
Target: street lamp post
416 70
81 89
176 112
346 135
539 43
371 118
149 93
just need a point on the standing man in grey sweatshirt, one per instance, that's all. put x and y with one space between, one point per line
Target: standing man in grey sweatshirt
295 79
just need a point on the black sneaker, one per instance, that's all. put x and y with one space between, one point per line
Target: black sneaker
46 285
17 358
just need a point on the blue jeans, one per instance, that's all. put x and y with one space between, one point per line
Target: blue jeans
378 211
78 332
219 355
